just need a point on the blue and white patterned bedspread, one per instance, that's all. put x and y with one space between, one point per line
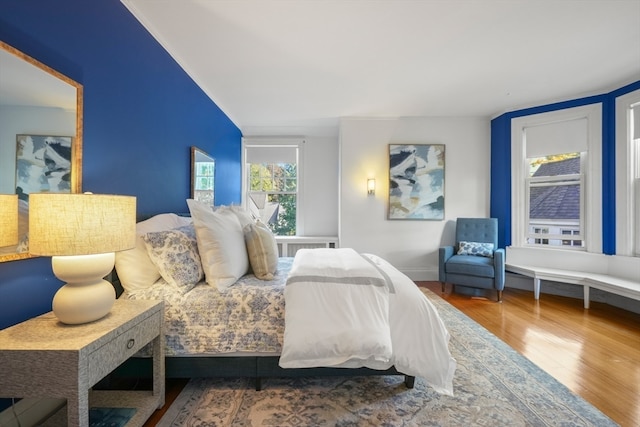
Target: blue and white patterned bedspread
248 317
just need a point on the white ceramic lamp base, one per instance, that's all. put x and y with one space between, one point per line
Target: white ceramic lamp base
86 296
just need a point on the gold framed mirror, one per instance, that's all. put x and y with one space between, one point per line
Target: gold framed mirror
203 170
40 130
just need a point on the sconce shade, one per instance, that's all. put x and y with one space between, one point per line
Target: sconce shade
371 186
81 224
8 219
81 232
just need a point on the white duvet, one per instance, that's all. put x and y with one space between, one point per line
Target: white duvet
345 309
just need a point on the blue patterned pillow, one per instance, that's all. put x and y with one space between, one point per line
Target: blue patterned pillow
175 253
476 248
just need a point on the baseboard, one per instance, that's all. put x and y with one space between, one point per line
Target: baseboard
421 274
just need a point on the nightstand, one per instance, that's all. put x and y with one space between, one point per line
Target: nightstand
43 357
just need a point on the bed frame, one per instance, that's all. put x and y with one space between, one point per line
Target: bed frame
256 367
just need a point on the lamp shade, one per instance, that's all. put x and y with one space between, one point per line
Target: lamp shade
80 224
8 219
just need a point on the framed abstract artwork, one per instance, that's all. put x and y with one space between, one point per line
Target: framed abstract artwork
43 164
416 181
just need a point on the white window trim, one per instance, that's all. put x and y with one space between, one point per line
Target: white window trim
627 234
298 142
593 173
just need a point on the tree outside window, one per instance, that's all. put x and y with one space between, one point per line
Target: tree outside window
273 194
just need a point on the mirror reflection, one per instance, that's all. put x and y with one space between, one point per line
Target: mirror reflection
203 168
40 135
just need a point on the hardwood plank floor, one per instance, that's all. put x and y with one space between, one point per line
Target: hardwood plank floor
595 352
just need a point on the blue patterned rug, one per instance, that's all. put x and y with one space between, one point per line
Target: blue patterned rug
493 386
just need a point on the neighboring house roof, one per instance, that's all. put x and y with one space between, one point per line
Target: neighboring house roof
557 202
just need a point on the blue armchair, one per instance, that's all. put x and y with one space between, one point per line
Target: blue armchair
477 263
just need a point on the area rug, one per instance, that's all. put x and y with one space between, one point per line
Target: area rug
493 386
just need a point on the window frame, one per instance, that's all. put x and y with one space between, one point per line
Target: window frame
275 142
591 167
627 178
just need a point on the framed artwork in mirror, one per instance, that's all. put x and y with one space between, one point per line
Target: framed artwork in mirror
203 168
43 164
416 181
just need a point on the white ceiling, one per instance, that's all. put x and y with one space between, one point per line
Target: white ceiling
296 67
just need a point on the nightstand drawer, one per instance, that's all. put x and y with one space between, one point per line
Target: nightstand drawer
111 355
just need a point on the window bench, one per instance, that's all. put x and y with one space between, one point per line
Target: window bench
611 273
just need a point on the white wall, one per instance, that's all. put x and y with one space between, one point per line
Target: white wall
410 245
320 204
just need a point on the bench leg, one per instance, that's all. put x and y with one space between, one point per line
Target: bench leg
536 288
586 296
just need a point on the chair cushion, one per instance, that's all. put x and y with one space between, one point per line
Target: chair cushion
470 265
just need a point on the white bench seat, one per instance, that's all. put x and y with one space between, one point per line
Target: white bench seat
587 270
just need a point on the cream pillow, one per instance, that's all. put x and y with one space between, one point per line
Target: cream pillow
220 243
262 249
134 267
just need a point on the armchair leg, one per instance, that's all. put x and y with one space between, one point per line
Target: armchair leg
499 296
443 286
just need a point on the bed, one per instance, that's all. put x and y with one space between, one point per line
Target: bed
236 325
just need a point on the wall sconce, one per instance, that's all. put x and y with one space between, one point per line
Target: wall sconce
371 187
8 219
81 232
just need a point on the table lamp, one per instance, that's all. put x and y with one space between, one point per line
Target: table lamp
81 232
8 219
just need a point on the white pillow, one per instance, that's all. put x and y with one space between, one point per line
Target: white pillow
243 215
134 267
221 244
262 249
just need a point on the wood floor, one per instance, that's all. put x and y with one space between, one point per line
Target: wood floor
594 352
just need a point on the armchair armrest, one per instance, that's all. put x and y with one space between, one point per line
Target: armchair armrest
444 253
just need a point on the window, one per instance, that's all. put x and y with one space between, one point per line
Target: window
538 232
628 174
573 241
203 168
271 183
556 179
554 188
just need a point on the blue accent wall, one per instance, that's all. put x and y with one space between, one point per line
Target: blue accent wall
501 163
142 113
500 199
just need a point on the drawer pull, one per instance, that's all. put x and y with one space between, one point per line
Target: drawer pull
131 343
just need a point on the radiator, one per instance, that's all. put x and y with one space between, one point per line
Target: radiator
289 245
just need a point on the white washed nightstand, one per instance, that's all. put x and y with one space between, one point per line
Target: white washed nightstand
45 358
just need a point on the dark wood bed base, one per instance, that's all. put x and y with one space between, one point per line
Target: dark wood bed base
256 367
